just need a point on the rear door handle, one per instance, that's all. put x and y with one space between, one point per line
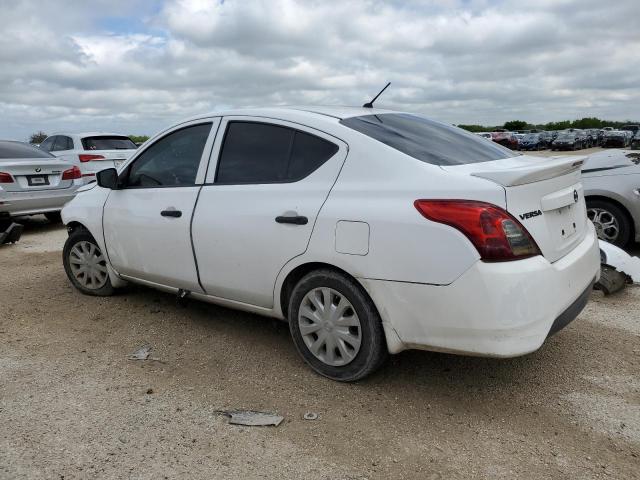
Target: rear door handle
171 213
294 219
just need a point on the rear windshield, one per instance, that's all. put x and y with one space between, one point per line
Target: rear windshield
108 143
21 150
427 140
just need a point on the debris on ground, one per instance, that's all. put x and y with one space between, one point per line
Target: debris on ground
618 268
611 281
310 416
141 353
252 418
10 232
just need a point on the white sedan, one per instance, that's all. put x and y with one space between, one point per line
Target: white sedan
90 151
369 231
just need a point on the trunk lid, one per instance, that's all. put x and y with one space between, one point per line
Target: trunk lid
35 174
115 157
544 194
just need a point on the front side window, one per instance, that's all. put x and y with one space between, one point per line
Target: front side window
172 161
427 140
265 153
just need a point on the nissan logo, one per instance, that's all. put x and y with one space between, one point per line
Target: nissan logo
38 170
575 196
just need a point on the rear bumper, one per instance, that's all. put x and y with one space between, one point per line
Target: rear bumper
31 203
494 309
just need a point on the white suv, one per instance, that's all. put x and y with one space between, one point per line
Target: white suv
369 231
91 151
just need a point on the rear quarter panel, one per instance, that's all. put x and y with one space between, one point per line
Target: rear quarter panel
378 186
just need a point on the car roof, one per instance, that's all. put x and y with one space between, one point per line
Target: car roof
89 134
312 111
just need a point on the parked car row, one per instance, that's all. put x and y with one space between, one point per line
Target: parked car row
570 139
40 180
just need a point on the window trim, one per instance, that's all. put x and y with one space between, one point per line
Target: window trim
205 157
229 121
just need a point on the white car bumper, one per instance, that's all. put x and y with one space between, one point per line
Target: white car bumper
494 309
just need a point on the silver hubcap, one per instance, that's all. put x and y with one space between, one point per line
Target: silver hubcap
329 326
88 265
606 224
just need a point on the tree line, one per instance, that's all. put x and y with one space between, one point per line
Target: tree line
512 125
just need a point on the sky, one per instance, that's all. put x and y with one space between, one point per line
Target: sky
137 66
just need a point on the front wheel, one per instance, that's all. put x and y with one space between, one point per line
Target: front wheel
85 264
335 326
612 224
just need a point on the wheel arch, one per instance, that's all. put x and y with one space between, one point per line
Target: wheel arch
394 343
620 205
73 226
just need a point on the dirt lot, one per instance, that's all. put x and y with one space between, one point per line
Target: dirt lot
73 406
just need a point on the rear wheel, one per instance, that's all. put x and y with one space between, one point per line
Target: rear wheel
611 222
85 264
335 326
53 217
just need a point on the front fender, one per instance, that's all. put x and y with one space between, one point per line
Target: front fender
86 210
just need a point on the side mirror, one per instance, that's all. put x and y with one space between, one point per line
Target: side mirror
108 178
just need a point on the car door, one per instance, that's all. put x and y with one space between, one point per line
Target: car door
147 219
259 204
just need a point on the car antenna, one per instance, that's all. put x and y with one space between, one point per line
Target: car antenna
370 104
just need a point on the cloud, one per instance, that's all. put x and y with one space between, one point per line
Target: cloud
138 66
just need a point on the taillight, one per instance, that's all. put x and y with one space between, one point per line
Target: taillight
5 178
85 157
496 235
72 174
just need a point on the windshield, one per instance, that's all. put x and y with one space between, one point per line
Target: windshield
17 150
532 136
427 140
108 143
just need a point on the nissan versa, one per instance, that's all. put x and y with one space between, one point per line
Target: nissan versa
369 231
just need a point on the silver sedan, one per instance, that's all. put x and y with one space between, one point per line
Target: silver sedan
611 182
33 181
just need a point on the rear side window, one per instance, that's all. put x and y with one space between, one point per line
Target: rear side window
21 150
265 153
62 143
427 140
108 143
172 161
47 144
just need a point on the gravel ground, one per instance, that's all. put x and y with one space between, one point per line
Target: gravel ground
73 406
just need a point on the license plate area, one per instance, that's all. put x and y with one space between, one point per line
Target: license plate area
37 180
565 221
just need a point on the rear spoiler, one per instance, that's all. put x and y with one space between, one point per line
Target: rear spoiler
535 171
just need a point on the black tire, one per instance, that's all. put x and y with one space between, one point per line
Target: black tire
53 217
77 236
373 348
624 224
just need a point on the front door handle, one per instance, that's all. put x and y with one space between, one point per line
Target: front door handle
294 219
171 213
